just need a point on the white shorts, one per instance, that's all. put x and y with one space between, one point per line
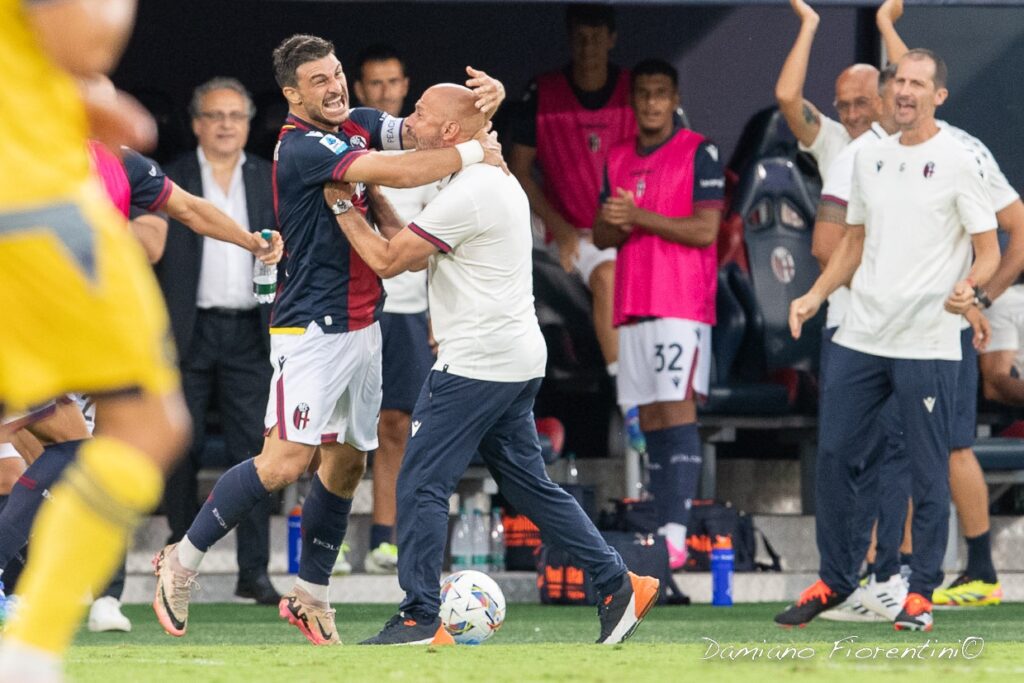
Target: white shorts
326 388
665 359
588 258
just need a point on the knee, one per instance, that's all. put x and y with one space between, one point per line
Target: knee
602 280
279 470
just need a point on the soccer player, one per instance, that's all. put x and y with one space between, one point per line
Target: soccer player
574 116
325 340
475 238
83 313
662 204
404 325
919 193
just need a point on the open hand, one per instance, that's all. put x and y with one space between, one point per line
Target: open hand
489 91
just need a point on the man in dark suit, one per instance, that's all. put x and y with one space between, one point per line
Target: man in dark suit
220 331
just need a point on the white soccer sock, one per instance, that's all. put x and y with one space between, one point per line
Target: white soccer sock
674 534
189 556
315 590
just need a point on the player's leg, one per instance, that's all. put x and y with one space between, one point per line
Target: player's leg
886 492
978 584
597 269
350 431
926 390
663 365
452 413
512 453
850 442
243 380
406 361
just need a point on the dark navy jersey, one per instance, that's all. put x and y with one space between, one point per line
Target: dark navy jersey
321 277
150 187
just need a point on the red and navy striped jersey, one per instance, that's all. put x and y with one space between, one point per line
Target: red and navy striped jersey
321 277
150 188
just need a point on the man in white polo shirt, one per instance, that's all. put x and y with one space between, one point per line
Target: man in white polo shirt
918 205
475 238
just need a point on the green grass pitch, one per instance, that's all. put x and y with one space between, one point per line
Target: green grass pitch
249 644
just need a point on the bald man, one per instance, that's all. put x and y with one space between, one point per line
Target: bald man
475 239
857 100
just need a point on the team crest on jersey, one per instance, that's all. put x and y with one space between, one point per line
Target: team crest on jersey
903 166
300 418
334 144
929 169
357 141
641 187
878 166
783 265
594 142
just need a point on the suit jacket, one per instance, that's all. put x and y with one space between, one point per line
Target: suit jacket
178 270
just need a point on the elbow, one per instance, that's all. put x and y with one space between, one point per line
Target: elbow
785 96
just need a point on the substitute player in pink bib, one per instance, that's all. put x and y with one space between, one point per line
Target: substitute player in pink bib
662 204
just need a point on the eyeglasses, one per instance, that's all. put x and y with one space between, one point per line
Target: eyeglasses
221 116
859 103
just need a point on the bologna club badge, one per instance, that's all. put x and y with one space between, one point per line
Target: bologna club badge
300 418
783 265
929 170
594 142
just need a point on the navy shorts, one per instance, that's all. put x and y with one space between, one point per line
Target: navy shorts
965 412
406 359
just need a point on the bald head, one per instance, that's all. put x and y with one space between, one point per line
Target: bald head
857 100
445 116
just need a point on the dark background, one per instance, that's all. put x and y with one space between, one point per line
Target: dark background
728 56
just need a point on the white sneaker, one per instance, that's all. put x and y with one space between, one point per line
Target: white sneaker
851 610
21 663
885 599
105 615
383 559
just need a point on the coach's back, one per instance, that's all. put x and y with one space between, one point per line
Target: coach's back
481 281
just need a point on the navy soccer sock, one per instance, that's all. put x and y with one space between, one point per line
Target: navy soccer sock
233 497
380 533
324 523
674 463
26 497
979 558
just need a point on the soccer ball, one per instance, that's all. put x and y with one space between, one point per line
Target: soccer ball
472 607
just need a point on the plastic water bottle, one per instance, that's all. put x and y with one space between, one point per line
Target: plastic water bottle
722 563
480 539
634 434
264 277
294 539
461 544
497 562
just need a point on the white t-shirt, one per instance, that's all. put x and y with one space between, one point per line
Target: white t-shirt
919 204
840 177
830 141
407 292
1007 319
837 190
481 281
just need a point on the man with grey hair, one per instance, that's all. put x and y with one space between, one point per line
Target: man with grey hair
220 331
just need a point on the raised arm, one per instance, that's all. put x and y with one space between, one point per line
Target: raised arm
423 165
886 17
803 118
207 220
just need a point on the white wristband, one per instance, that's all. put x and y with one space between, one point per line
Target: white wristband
472 152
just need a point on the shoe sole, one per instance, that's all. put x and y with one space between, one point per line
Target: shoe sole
906 626
847 617
161 613
286 614
640 604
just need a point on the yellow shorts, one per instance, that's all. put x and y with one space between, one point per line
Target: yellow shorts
82 311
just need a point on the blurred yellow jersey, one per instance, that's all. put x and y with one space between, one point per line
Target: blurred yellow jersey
42 120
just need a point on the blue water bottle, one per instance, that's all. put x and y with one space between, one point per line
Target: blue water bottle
722 563
294 539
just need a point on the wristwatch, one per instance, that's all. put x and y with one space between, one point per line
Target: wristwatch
341 206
